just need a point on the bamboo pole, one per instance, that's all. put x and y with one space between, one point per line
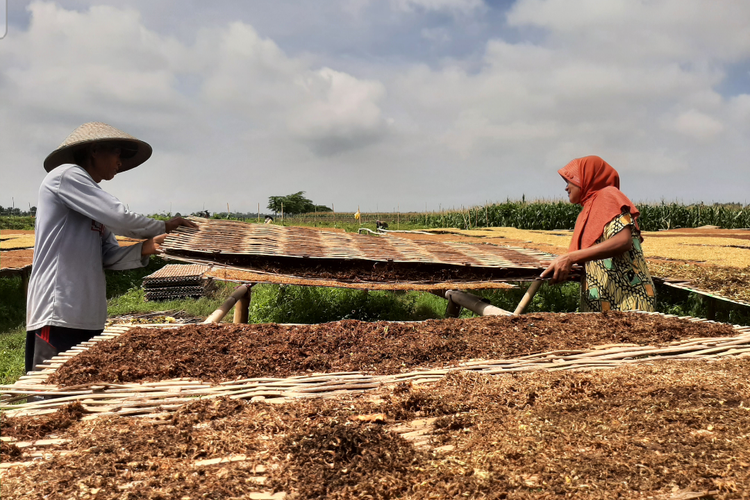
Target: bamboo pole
474 304
242 308
526 300
223 309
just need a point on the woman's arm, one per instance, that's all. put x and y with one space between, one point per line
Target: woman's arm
616 245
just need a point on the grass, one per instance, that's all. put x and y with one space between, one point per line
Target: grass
294 304
12 303
133 302
12 349
12 331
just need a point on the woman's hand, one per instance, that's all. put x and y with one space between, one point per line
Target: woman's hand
175 222
616 245
153 245
559 269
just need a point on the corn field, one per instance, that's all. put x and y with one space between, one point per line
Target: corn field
540 215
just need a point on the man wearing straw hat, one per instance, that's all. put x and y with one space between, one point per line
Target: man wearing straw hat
76 221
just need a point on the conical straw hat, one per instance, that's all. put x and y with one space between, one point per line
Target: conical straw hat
136 151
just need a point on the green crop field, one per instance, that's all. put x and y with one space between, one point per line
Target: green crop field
12 222
541 215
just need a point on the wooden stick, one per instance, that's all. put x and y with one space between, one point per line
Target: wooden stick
526 300
474 304
223 309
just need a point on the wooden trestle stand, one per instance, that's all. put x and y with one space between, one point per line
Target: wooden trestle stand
458 299
240 300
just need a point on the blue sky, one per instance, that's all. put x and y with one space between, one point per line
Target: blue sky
383 104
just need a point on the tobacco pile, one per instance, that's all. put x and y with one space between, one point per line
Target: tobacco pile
728 282
228 352
241 276
657 430
362 271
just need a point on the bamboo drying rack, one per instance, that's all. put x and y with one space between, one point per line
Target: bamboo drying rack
152 398
300 253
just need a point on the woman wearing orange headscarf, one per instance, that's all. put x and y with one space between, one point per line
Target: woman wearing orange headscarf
606 239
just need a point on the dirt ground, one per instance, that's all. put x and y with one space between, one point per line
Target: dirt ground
227 352
21 258
4 232
666 430
13 259
699 232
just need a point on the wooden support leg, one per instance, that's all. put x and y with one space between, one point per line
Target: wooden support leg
526 300
25 281
223 309
242 308
453 310
710 308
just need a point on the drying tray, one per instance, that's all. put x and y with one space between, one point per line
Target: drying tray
149 398
312 254
177 281
176 275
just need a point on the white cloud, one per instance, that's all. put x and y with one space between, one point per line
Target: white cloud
437 35
339 113
537 105
462 6
698 125
740 109
691 31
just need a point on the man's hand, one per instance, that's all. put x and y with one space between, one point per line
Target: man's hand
175 222
153 245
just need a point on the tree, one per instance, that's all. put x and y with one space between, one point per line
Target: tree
295 203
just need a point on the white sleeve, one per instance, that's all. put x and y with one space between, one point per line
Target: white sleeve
79 192
120 258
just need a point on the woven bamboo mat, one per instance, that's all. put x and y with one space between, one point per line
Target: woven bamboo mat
250 245
150 398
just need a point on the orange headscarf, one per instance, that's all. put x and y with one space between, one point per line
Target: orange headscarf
601 198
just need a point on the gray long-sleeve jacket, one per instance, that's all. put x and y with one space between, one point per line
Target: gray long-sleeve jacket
75 227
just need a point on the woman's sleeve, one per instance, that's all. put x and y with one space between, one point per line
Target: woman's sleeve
617 224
